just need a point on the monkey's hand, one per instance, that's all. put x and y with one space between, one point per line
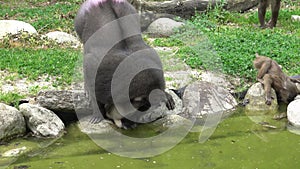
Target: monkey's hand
118 1
96 118
260 80
268 101
170 102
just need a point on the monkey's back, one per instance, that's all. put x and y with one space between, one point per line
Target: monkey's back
91 19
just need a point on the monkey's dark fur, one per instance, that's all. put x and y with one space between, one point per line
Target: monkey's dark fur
93 15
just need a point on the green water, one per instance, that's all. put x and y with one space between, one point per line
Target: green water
237 142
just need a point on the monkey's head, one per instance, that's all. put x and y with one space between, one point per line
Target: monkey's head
93 3
259 60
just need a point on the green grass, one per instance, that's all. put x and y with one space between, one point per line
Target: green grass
44 17
11 98
226 41
238 46
33 63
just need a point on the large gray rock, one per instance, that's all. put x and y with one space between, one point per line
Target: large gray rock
12 122
62 37
293 113
41 121
201 99
256 98
64 100
163 27
147 17
13 27
216 78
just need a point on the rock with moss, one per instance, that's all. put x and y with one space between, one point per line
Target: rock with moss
202 99
41 121
256 99
171 121
12 122
14 152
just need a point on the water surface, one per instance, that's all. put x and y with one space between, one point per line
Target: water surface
238 142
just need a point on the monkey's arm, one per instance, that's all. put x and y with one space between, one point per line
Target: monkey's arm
267 82
264 69
79 23
295 80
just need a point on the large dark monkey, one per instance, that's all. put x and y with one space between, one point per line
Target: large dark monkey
271 75
92 17
262 7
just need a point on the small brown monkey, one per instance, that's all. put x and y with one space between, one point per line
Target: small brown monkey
271 75
262 7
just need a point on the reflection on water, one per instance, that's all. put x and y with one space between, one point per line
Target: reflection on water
238 142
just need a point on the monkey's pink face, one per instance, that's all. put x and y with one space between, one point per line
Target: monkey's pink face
92 3
119 1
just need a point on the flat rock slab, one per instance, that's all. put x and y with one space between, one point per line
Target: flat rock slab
203 98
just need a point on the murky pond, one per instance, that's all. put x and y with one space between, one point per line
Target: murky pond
238 142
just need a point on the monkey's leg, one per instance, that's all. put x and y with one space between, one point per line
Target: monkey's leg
264 69
275 6
267 86
262 7
97 116
90 64
295 80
